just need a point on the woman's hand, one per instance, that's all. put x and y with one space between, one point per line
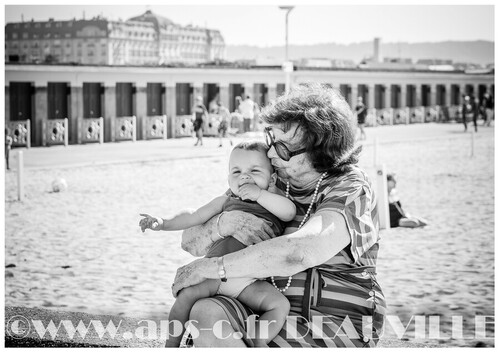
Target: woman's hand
193 273
245 227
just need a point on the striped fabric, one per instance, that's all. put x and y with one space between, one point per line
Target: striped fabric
337 304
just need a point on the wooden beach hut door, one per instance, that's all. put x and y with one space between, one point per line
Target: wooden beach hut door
92 101
154 93
395 96
261 94
410 96
124 99
183 98
57 96
426 96
21 97
210 92
280 89
379 96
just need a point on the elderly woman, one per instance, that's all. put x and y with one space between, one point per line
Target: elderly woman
325 261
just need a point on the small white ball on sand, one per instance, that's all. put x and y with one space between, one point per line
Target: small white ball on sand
59 185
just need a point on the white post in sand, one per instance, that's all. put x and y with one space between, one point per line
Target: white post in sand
101 130
375 151
66 132
20 185
472 133
28 133
165 127
134 131
382 197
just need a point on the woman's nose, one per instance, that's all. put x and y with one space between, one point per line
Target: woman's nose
271 153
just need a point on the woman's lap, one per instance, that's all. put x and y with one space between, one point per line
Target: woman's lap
338 317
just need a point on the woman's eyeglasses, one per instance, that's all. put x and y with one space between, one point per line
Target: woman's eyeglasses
281 150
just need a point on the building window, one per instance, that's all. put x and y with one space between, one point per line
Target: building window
38 25
35 36
47 25
26 25
68 35
14 35
25 35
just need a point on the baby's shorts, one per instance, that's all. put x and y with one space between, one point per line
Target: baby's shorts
234 286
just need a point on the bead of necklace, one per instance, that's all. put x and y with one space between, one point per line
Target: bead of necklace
287 194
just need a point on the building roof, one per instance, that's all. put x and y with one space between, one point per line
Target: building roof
157 20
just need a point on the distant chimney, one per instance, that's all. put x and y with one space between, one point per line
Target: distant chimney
376 50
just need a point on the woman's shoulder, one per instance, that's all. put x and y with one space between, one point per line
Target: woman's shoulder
353 178
348 185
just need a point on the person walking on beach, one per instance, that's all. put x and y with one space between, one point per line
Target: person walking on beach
200 116
252 189
361 114
475 106
487 104
225 118
247 109
466 111
8 146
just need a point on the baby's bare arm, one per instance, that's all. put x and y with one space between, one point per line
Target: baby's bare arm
278 205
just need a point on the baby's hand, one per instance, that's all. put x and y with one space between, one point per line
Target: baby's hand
150 222
249 192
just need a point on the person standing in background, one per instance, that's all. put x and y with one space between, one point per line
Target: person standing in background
466 111
361 114
8 146
247 110
200 116
225 118
488 108
475 110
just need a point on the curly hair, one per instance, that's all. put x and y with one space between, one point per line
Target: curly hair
326 120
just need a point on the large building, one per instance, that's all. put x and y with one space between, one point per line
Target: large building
147 39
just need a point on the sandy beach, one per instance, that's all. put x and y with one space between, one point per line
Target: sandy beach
82 249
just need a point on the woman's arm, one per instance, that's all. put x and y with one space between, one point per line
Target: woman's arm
322 237
242 226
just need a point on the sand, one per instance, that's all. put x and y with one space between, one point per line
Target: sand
82 249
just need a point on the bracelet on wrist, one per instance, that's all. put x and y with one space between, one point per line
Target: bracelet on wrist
221 269
217 225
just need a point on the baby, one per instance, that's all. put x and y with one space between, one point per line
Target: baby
251 177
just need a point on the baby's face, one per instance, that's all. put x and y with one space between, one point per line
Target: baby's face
249 167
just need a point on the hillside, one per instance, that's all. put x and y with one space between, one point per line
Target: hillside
478 52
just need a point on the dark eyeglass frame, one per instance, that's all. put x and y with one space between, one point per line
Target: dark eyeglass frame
281 150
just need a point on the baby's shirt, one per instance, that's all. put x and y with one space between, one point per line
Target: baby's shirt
234 203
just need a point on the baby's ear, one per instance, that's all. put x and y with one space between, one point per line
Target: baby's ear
272 182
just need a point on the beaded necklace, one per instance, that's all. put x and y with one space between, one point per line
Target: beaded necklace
282 290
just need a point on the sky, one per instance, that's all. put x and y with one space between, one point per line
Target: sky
263 23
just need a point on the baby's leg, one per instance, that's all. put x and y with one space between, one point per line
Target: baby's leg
261 296
183 304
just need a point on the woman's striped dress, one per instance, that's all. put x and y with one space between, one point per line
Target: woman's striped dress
339 303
